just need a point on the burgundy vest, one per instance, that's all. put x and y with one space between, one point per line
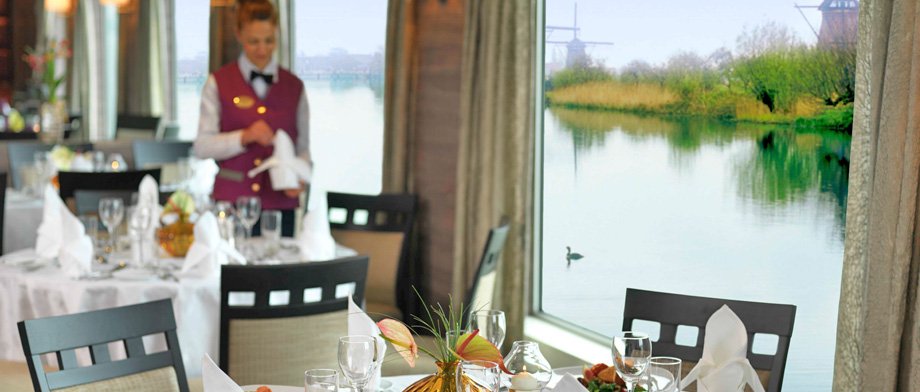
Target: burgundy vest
240 107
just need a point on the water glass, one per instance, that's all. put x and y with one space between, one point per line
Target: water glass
139 225
631 353
99 164
491 325
248 210
358 359
91 228
321 380
664 374
111 212
476 376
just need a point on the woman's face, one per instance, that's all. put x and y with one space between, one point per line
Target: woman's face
258 41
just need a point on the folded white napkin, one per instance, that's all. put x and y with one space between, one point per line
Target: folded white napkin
61 235
215 380
360 324
568 383
315 238
209 250
148 195
724 365
284 167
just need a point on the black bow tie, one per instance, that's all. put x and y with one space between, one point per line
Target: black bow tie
268 78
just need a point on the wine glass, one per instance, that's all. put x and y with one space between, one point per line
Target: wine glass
111 212
477 376
631 353
358 359
491 325
139 223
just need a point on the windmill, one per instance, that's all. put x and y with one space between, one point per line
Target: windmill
576 52
839 22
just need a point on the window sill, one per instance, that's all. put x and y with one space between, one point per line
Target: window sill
571 343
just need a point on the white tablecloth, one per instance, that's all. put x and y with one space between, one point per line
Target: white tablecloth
21 216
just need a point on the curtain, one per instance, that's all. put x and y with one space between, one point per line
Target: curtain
146 43
495 168
398 103
878 342
90 69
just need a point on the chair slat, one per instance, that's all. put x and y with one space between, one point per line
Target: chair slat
110 370
100 353
67 359
135 347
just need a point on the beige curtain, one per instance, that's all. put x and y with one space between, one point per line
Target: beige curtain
398 103
495 168
878 341
91 70
145 43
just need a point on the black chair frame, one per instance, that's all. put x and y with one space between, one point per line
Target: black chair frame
137 122
672 310
61 335
114 181
392 213
263 279
154 152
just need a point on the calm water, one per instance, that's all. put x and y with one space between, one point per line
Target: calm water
700 208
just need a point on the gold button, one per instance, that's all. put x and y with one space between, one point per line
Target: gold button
257 162
261 110
256 187
236 100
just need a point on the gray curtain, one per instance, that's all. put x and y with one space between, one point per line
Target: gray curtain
146 45
398 102
90 69
495 168
878 341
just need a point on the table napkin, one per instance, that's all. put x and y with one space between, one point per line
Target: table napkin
724 365
360 324
148 194
568 383
284 167
315 238
209 250
61 235
215 380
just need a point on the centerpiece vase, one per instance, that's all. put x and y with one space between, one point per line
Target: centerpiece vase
53 117
445 380
177 237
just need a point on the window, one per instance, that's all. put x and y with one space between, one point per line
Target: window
191 62
699 148
339 55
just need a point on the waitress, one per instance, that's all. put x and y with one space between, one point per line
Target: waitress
242 106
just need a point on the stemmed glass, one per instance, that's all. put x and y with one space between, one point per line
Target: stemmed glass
491 325
631 354
358 359
248 210
139 223
111 212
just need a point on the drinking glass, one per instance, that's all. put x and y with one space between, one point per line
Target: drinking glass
358 359
631 353
476 376
138 224
321 380
271 230
91 228
664 374
491 325
248 209
99 164
111 212
223 211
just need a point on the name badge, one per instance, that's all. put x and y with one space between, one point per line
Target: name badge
244 101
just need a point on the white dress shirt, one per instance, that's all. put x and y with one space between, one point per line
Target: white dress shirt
211 143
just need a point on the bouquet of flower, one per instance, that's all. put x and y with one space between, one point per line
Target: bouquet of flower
44 66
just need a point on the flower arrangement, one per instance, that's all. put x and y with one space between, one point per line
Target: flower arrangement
452 344
44 66
178 232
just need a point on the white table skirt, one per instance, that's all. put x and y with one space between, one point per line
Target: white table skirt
21 216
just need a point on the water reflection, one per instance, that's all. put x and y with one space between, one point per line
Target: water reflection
781 167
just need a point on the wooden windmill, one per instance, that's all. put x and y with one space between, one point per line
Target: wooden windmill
839 22
576 53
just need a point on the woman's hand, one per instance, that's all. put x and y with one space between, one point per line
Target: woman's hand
258 132
295 193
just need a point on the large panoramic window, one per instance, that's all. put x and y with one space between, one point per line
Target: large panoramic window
699 148
339 56
192 18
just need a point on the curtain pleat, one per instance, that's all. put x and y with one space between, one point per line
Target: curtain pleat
495 169
398 103
878 347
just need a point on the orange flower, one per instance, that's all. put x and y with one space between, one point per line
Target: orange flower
399 335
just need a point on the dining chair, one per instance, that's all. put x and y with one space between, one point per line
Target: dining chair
126 326
482 291
277 320
102 181
87 201
379 226
2 203
21 154
149 153
133 126
673 310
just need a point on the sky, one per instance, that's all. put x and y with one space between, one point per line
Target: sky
652 30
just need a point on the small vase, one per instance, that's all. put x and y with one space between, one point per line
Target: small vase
176 238
53 118
445 380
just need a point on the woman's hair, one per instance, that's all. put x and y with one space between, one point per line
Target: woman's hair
255 10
